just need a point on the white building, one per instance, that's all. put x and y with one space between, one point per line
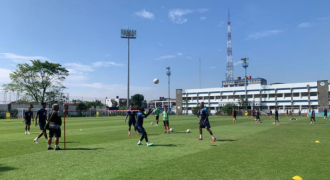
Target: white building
292 96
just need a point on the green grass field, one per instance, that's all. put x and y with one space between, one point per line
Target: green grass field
102 150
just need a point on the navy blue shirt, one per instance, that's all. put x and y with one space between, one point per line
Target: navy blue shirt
131 114
234 112
28 115
313 113
140 117
276 112
204 114
42 113
258 113
325 112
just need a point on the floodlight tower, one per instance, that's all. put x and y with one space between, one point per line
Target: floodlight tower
229 68
128 34
168 73
245 65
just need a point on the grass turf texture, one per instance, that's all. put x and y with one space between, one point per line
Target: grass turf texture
102 150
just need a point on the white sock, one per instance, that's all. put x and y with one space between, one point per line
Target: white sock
129 132
139 141
56 146
36 138
212 136
200 136
49 146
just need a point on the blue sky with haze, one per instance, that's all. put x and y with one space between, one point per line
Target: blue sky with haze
286 41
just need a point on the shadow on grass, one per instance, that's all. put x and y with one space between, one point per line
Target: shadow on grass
181 132
150 134
69 142
165 145
6 168
83 149
213 145
226 140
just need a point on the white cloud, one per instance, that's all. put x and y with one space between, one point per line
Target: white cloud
177 15
221 24
304 25
188 57
145 14
237 63
323 18
106 64
263 34
165 57
4 75
77 67
203 18
21 59
202 10
179 54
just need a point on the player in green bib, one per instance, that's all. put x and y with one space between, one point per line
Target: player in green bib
157 115
166 120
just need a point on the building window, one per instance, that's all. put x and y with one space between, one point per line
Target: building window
211 97
257 96
206 97
271 95
230 97
194 98
223 97
313 93
217 97
200 98
264 95
287 95
237 96
304 94
279 95
295 94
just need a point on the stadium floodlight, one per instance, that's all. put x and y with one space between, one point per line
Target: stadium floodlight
128 34
245 65
168 73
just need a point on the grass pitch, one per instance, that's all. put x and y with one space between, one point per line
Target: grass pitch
102 150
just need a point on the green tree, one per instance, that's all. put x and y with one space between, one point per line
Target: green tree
137 99
242 102
81 108
39 80
196 109
228 108
114 103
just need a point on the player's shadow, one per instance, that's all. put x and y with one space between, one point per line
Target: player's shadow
6 168
83 149
226 140
70 142
180 132
165 145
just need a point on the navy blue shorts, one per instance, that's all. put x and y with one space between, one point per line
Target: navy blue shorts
27 122
206 125
167 123
131 122
42 126
55 132
257 117
140 129
157 118
276 117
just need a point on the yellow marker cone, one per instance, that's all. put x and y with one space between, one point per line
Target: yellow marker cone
317 141
80 129
297 177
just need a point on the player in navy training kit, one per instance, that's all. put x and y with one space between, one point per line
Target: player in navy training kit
258 116
132 119
312 116
204 122
42 113
325 113
270 114
139 125
28 115
276 117
234 115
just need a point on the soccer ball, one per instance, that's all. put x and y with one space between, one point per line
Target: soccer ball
152 123
188 130
171 130
156 80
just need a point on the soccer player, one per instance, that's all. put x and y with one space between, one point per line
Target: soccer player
276 117
234 115
28 115
325 113
290 113
299 113
132 119
55 122
139 125
258 116
42 114
166 120
157 115
270 113
313 116
97 114
204 122
287 113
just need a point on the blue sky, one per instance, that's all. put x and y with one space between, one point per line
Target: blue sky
286 41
